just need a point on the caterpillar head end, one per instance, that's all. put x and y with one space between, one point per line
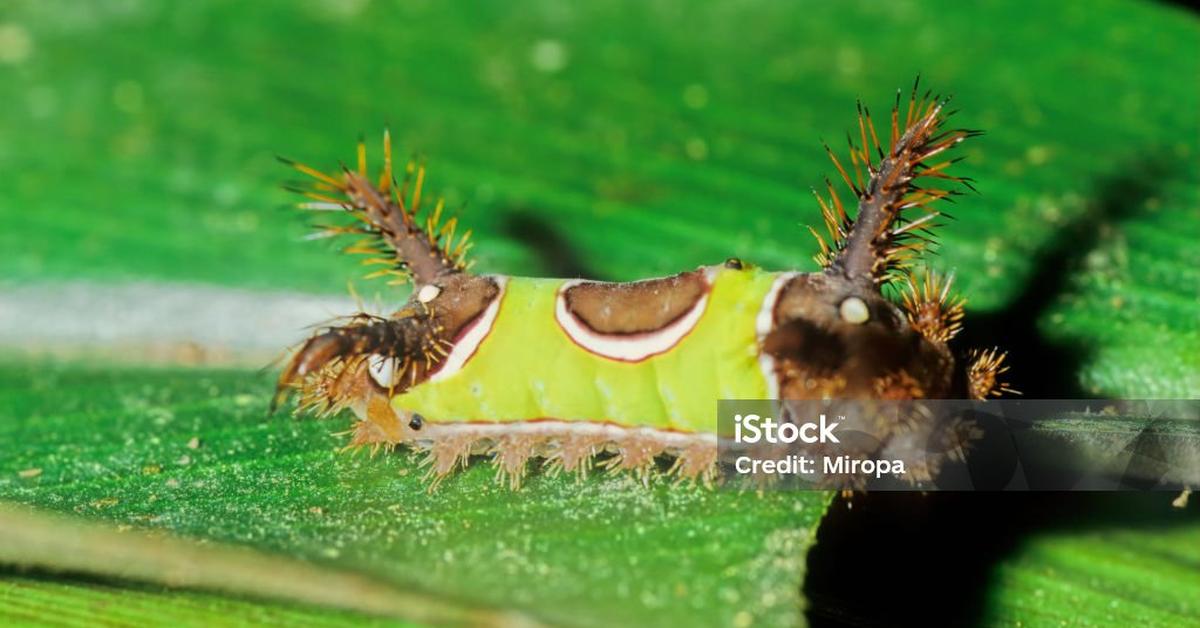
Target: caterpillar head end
835 337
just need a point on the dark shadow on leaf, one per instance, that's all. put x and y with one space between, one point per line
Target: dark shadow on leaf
556 254
906 559
1044 368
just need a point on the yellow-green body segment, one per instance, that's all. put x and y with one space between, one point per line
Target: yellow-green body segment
528 368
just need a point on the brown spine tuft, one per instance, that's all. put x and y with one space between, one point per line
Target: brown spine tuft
932 310
388 215
880 240
983 375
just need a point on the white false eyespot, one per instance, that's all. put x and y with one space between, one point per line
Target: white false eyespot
428 292
854 311
384 370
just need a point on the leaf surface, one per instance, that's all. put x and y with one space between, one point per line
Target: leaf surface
193 452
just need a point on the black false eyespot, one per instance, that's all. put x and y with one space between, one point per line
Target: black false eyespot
734 264
416 422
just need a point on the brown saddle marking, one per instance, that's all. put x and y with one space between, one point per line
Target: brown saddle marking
635 307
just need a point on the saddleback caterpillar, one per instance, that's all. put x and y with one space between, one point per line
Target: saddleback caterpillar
626 375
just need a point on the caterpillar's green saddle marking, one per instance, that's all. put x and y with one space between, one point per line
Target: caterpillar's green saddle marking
529 368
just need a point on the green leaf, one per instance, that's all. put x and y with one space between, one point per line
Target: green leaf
193 452
630 139
1121 558
28 600
1144 575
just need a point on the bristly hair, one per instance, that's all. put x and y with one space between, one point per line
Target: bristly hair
984 373
932 310
880 241
387 215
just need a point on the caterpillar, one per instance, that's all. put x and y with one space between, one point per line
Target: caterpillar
624 376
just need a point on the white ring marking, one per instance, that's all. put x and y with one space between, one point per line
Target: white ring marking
628 347
383 370
469 341
763 323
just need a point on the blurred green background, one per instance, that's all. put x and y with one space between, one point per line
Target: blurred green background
611 139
